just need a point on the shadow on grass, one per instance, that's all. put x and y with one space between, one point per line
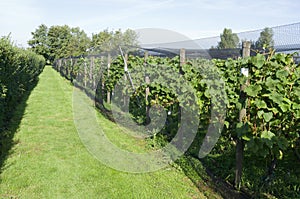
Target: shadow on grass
99 102
212 173
11 126
206 180
216 172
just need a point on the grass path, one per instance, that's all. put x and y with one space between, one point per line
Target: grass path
49 160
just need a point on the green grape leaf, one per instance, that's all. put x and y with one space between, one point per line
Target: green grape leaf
296 106
276 97
260 104
258 60
260 113
297 114
282 75
271 84
268 116
267 135
253 90
226 123
284 107
246 137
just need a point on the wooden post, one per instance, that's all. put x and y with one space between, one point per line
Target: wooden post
246 49
59 65
125 78
75 73
146 55
66 68
85 74
72 70
102 81
108 66
147 81
239 142
92 82
182 60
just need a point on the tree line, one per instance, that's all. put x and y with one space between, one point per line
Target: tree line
64 41
231 40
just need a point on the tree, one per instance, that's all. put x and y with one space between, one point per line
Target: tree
265 39
102 41
59 37
130 38
59 41
78 42
39 42
64 41
228 39
106 40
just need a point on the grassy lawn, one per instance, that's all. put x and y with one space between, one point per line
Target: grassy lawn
50 161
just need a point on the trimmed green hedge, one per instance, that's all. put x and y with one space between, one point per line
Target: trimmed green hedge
19 71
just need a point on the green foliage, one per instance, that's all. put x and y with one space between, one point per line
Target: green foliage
272 105
78 42
108 41
59 42
102 41
265 40
273 118
63 42
228 39
39 42
50 161
19 70
270 129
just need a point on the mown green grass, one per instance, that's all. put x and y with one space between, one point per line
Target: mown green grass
50 161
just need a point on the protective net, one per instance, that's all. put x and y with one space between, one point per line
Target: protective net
286 39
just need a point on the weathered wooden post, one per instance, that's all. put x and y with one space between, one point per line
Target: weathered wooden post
147 81
65 68
102 81
92 79
126 100
239 142
71 67
108 66
182 59
85 74
59 65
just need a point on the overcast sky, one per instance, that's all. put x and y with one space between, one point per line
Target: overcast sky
194 19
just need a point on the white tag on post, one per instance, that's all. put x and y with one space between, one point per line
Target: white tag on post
245 71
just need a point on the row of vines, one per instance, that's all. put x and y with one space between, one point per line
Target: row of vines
269 131
19 71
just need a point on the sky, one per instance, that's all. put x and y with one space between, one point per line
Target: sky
193 19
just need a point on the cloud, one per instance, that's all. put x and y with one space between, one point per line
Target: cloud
18 12
130 12
18 18
194 18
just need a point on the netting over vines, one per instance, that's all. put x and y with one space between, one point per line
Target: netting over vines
268 131
286 39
